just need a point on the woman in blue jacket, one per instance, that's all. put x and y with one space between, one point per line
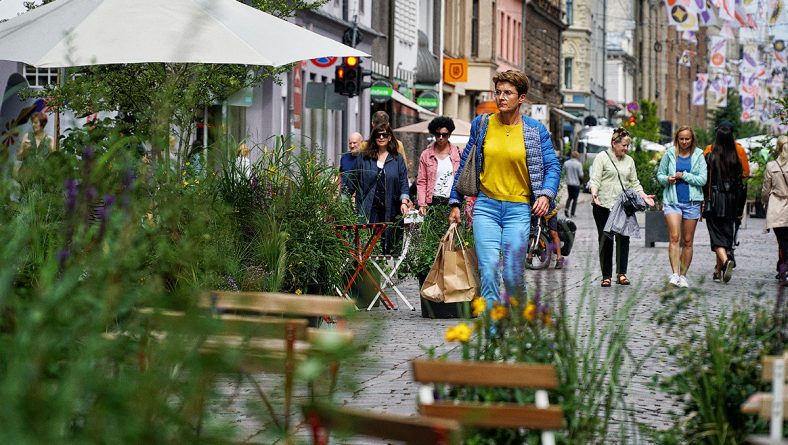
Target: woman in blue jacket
518 173
682 172
380 182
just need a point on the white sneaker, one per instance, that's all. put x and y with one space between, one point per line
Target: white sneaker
674 280
683 281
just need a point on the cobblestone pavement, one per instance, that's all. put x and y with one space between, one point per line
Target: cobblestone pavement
383 377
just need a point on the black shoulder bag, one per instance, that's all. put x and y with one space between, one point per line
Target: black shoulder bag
630 206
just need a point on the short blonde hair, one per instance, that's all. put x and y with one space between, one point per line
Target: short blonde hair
781 149
517 78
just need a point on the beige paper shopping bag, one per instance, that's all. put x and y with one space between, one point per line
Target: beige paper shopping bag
454 274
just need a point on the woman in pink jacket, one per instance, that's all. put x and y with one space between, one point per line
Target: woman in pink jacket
437 166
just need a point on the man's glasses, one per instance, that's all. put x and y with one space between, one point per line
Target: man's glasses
381 136
441 135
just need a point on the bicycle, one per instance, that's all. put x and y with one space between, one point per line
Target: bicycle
540 251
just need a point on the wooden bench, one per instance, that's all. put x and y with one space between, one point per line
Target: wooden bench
771 406
415 430
269 330
538 416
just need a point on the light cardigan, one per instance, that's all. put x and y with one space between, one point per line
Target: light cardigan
605 178
696 177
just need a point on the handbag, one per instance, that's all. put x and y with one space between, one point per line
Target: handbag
454 274
468 179
629 204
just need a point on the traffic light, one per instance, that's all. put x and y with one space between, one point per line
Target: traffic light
348 76
631 122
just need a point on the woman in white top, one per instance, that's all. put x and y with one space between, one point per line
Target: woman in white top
437 166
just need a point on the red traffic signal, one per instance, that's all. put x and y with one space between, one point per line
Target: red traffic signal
348 76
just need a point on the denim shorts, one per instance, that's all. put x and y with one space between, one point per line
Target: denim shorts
687 210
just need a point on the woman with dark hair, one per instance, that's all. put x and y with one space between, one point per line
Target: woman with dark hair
437 165
37 142
380 181
722 194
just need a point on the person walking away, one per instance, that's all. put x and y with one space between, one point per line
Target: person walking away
573 175
380 182
775 196
722 193
682 172
348 159
518 174
552 226
609 170
745 173
437 165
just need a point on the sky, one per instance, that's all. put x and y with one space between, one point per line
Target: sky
10 8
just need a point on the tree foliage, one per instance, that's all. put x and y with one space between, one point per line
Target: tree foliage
732 113
646 123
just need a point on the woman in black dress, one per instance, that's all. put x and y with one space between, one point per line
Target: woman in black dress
723 191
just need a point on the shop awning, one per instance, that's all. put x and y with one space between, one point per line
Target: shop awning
424 113
567 116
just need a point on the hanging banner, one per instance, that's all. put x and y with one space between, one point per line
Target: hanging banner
682 15
717 49
727 11
706 15
720 90
699 91
690 36
686 57
727 31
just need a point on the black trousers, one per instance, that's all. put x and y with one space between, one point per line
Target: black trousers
782 241
606 245
391 241
574 192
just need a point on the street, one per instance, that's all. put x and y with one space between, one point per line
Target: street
383 375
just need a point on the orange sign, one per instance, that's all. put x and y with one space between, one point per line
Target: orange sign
455 70
486 107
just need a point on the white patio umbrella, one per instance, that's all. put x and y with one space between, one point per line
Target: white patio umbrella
69 33
462 128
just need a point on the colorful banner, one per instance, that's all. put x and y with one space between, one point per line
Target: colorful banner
682 15
720 89
690 36
727 11
699 91
717 49
686 57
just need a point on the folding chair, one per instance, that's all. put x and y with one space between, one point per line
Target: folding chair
393 263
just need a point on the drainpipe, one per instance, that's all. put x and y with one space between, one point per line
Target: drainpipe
522 37
441 43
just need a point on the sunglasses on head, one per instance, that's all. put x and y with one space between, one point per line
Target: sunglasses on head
441 135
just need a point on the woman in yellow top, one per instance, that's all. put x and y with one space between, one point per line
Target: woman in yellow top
606 170
518 173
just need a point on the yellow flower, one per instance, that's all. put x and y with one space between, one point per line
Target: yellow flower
196 181
529 313
478 305
185 183
513 302
298 292
498 312
461 332
188 163
466 243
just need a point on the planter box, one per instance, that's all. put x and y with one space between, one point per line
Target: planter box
656 228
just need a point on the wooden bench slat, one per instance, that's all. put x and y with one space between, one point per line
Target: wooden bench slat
760 403
271 302
510 375
768 367
241 325
411 430
492 416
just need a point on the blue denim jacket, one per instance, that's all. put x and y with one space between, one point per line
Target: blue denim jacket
543 166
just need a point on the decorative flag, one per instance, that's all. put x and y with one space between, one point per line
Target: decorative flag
729 82
717 50
747 107
682 15
720 90
699 91
706 15
727 31
686 57
727 11
690 36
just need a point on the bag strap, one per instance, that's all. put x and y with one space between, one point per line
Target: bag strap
783 172
618 173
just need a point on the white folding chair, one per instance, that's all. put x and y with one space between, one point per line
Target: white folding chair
393 263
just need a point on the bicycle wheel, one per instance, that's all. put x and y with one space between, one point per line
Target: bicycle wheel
539 252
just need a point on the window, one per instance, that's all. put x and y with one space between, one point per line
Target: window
475 29
568 73
40 77
569 11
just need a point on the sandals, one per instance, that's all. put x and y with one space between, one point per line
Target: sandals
622 280
606 282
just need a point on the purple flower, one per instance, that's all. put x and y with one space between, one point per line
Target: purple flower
91 193
129 178
88 153
62 256
231 281
71 194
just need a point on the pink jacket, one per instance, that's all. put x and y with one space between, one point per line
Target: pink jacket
428 170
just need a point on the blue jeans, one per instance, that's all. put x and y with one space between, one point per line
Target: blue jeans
501 226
